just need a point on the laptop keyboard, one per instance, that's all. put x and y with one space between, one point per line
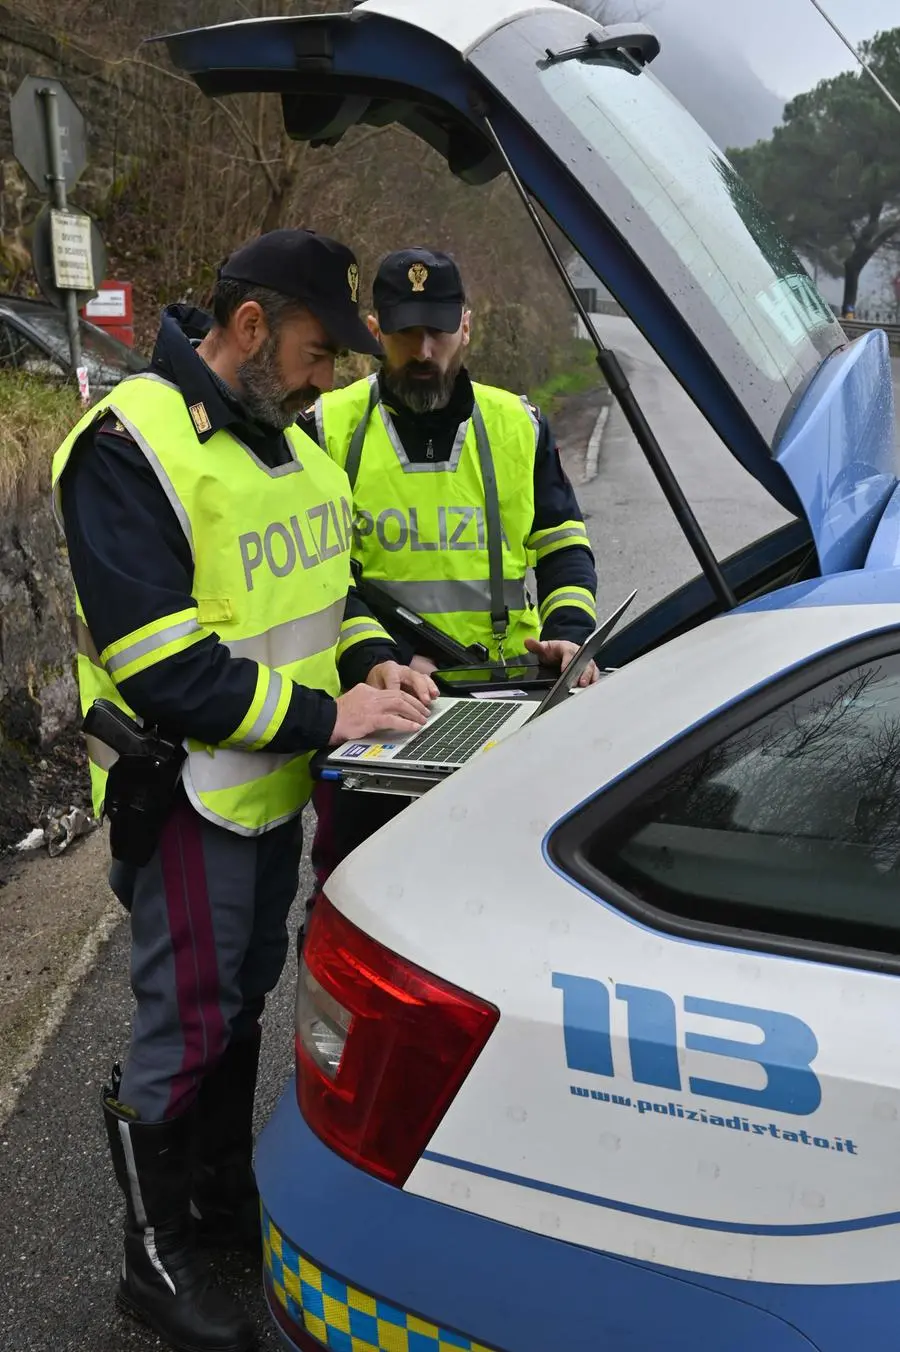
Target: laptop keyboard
460 733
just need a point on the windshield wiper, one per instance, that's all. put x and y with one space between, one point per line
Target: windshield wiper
621 390
637 41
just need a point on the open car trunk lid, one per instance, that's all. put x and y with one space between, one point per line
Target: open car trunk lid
654 208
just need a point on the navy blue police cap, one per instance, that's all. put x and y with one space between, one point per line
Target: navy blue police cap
319 272
417 288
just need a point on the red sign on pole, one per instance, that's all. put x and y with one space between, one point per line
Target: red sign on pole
112 310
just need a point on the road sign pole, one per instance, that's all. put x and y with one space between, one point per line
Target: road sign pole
49 140
50 105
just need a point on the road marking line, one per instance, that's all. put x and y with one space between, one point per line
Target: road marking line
592 458
57 1007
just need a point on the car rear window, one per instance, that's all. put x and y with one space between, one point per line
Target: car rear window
790 826
679 204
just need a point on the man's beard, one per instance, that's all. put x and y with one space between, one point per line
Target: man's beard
421 385
263 393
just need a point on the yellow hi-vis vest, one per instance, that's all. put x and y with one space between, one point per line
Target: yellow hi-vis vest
421 530
271 551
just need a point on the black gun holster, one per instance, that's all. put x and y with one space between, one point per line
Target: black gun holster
141 783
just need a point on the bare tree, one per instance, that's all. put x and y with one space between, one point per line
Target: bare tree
176 180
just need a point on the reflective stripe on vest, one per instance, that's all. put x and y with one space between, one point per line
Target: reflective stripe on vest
421 529
271 553
437 597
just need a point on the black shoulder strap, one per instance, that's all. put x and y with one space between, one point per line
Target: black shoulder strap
499 611
357 441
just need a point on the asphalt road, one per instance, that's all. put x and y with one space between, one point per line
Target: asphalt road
59 1208
60 1211
637 540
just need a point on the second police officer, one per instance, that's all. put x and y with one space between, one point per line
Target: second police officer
458 488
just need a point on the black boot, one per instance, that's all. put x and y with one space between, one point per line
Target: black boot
224 1198
164 1282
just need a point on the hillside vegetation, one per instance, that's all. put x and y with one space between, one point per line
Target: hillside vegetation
34 419
177 180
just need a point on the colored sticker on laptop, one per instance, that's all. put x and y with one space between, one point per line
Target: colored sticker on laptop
358 749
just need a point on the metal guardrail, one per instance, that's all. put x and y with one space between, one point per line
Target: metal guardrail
608 307
855 328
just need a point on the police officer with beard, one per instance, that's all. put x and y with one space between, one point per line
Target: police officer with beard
437 464
209 541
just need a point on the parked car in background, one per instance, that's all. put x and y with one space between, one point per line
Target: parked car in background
34 338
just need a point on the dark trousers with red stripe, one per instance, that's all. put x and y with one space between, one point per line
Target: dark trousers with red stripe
209 941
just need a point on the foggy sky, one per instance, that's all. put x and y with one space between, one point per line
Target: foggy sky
788 44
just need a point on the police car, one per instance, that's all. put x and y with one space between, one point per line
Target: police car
598 1044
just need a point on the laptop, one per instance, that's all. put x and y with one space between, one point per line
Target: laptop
457 729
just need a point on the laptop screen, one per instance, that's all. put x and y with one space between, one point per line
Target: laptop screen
571 674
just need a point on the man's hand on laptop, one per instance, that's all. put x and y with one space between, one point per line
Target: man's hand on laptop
394 699
558 652
365 710
414 680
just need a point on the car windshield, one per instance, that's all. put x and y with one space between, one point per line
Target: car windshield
681 206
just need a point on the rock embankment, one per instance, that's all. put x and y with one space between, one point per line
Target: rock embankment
41 760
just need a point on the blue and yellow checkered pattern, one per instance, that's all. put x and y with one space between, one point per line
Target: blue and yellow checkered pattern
341 1317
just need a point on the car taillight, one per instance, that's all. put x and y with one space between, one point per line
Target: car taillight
382 1046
